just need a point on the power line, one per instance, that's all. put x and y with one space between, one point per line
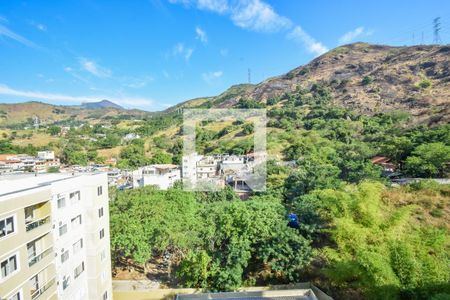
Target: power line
422 32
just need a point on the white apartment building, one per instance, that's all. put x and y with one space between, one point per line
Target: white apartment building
47 155
163 176
54 237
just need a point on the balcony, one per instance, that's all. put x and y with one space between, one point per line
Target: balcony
39 257
35 224
38 291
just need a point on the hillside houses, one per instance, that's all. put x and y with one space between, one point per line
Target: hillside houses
219 170
21 163
162 176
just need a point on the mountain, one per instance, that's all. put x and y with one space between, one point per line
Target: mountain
20 113
101 104
363 77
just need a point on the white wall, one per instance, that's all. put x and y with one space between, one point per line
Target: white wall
89 285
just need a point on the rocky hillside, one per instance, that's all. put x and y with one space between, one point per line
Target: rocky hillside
367 78
19 113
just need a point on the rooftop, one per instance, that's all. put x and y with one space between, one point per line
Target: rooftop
297 294
20 182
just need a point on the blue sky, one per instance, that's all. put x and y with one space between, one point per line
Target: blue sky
155 53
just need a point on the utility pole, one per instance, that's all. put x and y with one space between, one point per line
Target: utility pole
249 75
437 28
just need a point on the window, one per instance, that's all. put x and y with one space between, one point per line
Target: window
61 202
105 295
78 246
74 196
100 212
16 296
64 256
9 266
102 233
6 226
99 191
76 221
62 229
66 280
78 270
103 255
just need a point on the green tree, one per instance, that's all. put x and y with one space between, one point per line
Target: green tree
286 252
77 158
92 155
195 269
54 130
429 160
109 141
312 173
248 129
132 156
160 157
156 221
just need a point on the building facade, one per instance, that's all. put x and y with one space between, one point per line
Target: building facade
163 176
54 237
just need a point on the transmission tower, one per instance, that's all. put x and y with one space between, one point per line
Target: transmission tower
249 75
437 28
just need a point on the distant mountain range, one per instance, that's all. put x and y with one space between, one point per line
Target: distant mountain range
362 77
101 104
93 112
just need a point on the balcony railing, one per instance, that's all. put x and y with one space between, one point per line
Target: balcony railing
37 223
36 293
38 257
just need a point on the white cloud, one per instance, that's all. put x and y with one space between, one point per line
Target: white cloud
201 35
68 69
38 26
188 53
352 35
93 68
5 31
5 90
300 36
41 27
211 76
219 6
180 50
258 16
137 82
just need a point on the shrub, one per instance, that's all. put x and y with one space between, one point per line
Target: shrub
367 80
424 84
437 213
